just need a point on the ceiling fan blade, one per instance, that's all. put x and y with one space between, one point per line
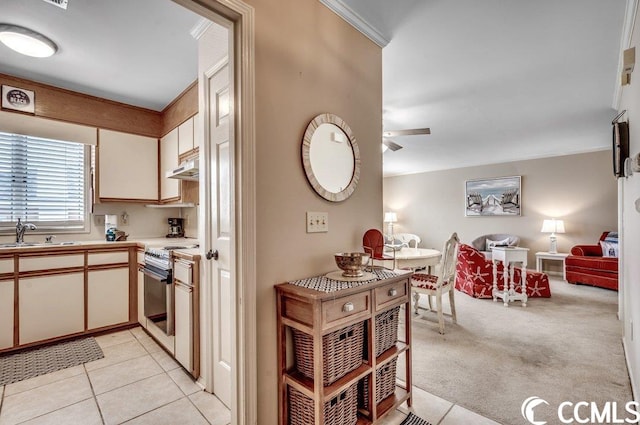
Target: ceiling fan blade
410 132
391 145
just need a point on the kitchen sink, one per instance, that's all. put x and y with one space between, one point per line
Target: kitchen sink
30 244
20 245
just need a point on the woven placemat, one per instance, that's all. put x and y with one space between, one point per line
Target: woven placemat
414 420
40 361
325 284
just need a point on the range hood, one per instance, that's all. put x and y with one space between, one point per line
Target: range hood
188 170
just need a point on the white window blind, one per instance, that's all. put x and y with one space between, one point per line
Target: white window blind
43 181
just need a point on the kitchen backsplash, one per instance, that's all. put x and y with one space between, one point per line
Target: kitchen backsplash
142 222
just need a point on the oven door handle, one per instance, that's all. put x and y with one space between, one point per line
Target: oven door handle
161 278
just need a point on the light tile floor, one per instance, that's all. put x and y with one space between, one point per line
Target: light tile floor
137 383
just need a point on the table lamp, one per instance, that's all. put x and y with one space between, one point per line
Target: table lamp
390 217
553 226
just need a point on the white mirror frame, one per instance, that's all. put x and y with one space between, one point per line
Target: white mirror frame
328 118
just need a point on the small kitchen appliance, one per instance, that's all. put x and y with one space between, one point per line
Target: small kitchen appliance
176 228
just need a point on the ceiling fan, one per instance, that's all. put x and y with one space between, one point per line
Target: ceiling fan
394 133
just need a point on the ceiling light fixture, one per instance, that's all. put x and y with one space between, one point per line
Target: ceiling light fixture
26 41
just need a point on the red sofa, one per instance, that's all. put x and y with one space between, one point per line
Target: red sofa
587 265
474 276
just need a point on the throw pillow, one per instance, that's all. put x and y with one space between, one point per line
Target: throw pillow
609 249
612 237
490 244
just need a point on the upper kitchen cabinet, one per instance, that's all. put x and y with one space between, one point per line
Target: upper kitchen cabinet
186 140
169 188
127 167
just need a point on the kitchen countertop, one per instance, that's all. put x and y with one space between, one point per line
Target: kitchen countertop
142 242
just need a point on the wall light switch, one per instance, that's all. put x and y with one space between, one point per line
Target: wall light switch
317 222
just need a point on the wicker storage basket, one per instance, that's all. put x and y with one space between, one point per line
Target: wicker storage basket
386 330
342 352
341 410
385 384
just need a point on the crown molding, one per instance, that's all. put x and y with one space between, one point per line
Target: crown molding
346 13
200 27
625 43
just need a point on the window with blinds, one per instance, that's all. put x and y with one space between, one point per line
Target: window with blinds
44 182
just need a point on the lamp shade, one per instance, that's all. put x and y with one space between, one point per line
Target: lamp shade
390 217
552 226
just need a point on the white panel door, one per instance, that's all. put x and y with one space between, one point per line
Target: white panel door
6 314
51 306
222 231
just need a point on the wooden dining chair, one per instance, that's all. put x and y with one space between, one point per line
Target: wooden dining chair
440 283
373 244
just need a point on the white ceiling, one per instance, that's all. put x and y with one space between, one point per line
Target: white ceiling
138 52
496 80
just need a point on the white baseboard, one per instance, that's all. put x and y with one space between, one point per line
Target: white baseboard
629 370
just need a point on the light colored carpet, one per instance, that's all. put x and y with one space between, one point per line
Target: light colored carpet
564 348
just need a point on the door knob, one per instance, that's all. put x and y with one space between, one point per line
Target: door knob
212 254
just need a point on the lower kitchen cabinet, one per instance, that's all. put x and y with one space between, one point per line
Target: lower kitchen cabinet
6 314
50 306
141 317
107 297
186 278
184 325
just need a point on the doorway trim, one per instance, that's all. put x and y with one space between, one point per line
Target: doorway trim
244 401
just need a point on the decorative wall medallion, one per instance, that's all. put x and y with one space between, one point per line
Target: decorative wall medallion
18 99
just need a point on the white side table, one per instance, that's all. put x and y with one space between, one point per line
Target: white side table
558 256
510 256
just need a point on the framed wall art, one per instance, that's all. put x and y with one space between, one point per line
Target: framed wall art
493 197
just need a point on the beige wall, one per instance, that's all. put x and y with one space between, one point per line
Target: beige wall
308 61
630 218
580 189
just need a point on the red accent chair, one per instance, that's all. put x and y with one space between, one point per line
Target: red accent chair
474 276
373 244
587 265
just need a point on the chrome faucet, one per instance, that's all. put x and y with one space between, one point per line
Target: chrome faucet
21 228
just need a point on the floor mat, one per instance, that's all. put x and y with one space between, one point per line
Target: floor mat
414 420
39 361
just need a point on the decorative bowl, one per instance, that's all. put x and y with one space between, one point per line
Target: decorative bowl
352 263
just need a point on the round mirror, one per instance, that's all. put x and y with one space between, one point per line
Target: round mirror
330 157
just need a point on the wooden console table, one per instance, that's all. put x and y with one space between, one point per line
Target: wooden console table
319 313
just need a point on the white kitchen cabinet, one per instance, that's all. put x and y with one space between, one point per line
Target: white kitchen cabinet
141 317
6 314
169 188
50 262
184 313
107 297
185 136
184 325
196 133
6 265
50 306
127 167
